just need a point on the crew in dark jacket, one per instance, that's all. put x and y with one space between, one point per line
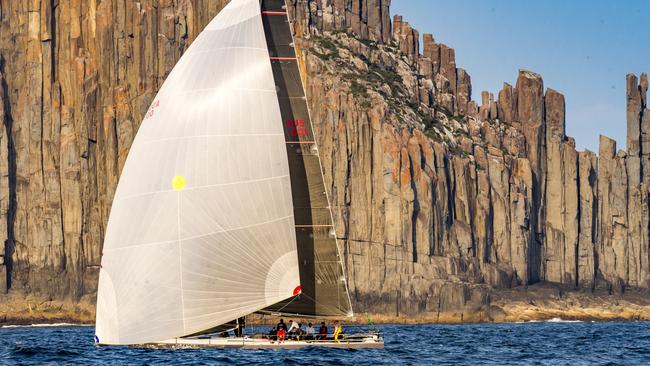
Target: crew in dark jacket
322 332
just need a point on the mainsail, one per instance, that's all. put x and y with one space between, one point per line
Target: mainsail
202 230
221 209
324 288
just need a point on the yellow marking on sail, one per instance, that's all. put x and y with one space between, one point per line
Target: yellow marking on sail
178 183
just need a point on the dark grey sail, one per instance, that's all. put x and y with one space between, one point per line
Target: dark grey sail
324 289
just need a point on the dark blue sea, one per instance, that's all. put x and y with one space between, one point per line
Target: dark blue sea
541 343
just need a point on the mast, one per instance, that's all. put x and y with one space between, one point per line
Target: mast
324 287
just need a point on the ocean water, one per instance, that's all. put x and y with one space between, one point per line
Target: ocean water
539 343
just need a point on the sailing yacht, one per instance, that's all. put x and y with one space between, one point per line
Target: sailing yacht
221 209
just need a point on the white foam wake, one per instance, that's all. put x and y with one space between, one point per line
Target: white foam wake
560 320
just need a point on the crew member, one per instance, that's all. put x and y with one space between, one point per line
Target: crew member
273 334
337 329
309 333
282 335
322 332
281 325
293 328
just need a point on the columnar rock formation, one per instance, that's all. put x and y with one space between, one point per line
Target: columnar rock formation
368 19
437 200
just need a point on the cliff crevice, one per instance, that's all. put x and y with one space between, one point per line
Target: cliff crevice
7 187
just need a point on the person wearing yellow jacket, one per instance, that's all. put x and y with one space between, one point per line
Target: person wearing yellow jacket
338 330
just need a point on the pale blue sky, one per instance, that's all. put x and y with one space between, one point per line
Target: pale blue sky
582 48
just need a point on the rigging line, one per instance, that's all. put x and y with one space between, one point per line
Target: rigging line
320 303
287 304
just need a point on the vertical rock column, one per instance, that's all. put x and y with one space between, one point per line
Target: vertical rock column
407 37
507 104
488 109
561 196
554 248
588 207
464 93
611 248
634 172
431 51
499 178
571 212
645 129
637 164
5 195
530 113
369 19
453 85
522 206
644 255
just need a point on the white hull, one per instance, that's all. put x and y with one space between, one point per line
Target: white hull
371 341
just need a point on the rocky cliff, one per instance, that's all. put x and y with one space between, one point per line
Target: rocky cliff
441 203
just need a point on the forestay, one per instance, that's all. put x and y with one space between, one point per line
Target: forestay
202 227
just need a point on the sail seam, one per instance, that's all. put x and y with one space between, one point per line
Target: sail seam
202 187
180 259
226 48
199 90
202 136
107 250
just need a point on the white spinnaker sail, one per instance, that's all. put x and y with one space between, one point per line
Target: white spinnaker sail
201 230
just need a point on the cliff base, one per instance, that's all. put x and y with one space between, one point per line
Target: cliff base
537 302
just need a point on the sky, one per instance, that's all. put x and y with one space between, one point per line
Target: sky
582 48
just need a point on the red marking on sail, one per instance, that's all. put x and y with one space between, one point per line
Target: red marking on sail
152 109
297 291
